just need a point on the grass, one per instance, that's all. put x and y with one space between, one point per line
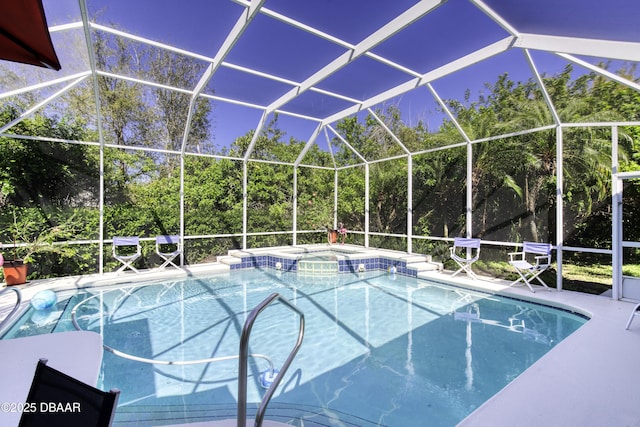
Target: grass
591 278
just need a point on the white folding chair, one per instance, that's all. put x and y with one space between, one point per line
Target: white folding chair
465 251
634 313
125 245
541 253
168 242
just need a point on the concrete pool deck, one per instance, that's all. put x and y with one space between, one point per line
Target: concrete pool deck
588 379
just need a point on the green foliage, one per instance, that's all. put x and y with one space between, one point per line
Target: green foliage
439 196
39 239
315 199
513 178
32 234
351 204
32 171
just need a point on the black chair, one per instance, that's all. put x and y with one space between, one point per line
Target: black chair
56 399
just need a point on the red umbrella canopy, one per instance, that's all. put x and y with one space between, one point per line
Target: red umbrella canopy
24 34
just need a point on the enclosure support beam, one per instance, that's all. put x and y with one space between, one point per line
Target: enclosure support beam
294 226
402 21
335 199
409 204
244 205
41 104
182 234
450 68
469 210
559 205
234 35
622 50
96 96
366 205
543 89
616 219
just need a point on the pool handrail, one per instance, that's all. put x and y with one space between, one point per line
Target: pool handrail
244 354
15 307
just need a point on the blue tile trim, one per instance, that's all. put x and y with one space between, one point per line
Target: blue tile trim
344 265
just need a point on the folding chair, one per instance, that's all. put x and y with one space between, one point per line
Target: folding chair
465 252
634 313
541 253
127 257
168 242
57 399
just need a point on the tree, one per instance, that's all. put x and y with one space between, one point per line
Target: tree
586 154
43 173
176 70
388 184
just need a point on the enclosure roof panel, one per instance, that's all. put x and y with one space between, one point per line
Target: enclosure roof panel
321 61
610 20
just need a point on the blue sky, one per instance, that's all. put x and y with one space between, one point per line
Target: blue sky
270 46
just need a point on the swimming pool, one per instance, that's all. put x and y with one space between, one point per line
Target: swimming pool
379 349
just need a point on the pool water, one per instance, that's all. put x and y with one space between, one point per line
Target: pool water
321 256
378 349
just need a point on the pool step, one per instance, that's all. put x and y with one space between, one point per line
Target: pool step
422 263
425 266
229 260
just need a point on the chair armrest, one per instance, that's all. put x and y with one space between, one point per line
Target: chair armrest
513 254
545 257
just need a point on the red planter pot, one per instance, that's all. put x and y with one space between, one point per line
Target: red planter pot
15 272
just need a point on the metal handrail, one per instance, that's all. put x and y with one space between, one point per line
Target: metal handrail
15 308
244 353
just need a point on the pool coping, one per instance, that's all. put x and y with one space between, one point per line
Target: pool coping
350 258
588 379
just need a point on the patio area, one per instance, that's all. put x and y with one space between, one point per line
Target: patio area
237 126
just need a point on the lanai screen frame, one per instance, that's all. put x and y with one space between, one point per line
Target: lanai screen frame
565 47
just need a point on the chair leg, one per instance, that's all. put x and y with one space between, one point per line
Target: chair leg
528 283
537 277
125 265
528 277
462 267
542 283
634 313
164 264
471 273
467 269
167 262
524 279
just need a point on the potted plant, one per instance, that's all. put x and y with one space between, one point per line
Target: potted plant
30 238
15 272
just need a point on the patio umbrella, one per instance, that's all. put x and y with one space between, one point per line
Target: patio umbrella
24 34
